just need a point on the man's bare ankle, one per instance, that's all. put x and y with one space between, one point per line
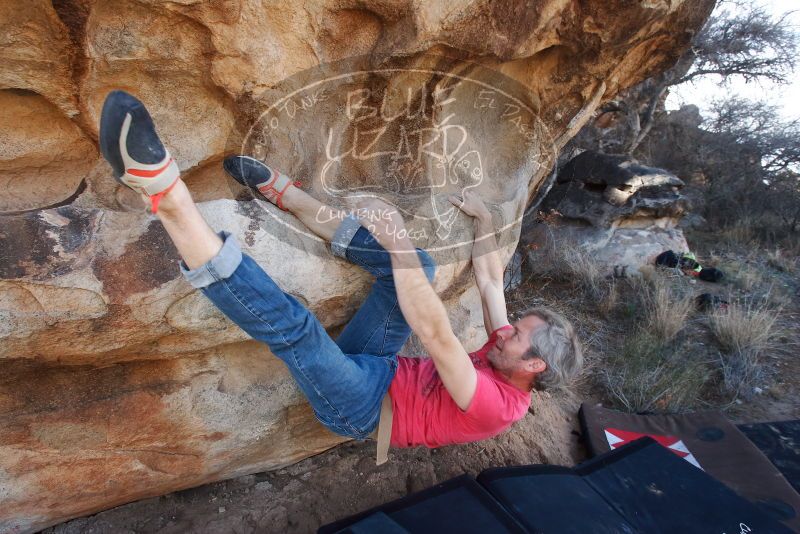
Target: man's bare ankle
290 198
175 199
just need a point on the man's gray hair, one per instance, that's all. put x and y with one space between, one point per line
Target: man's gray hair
556 343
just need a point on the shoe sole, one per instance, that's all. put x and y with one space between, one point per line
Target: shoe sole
129 142
230 170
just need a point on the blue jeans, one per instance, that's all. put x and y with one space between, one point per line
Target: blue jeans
344 380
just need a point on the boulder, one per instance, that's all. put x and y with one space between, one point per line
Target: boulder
620 212
619 252
118 380
606 190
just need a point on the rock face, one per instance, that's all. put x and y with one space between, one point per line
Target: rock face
620 212
118 380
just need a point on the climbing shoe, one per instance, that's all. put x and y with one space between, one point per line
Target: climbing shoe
129 142
711 274
253 173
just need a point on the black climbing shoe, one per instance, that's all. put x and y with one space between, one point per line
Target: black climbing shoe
253 173
129 142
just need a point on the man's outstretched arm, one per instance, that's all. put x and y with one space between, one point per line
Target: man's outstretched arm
485 262
421 306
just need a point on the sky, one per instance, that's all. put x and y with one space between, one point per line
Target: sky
787 97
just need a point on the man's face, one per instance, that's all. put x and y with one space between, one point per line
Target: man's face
512 345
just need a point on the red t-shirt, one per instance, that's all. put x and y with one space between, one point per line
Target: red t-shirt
426 414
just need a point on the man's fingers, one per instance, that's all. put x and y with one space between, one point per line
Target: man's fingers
456 201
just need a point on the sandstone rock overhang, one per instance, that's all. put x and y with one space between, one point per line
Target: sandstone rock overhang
118 381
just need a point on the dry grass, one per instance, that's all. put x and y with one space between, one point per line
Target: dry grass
645 349
741 371
745 277
744 334
738 235
744 327
609 299
781 261
585 273
756 231
653 371
666 307
647 371
752 275
573 265
648 376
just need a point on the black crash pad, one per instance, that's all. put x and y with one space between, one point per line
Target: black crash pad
639 488
458 505
657 491
553 499
706 439
780 442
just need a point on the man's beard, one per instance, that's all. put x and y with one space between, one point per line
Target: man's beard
494 357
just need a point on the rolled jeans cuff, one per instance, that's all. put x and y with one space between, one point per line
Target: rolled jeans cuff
217 268
344 235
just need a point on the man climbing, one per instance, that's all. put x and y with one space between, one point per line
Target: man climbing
453 397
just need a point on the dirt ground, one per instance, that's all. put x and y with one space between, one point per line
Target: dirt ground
340 482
